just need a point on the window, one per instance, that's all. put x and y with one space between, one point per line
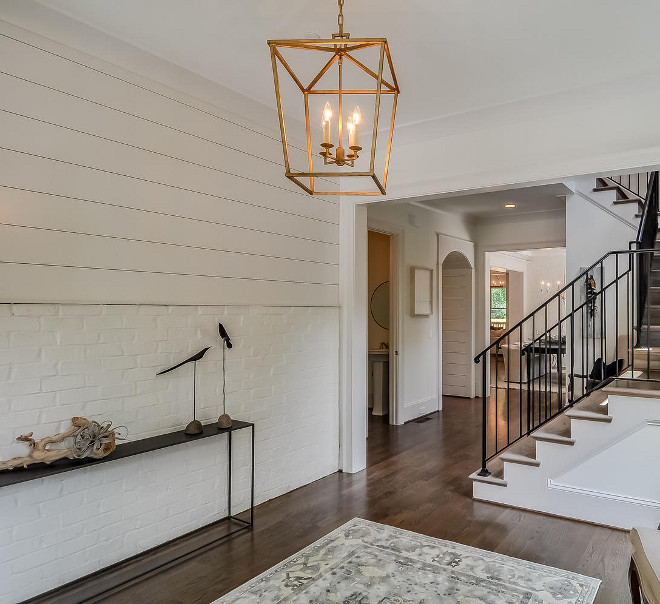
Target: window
498 307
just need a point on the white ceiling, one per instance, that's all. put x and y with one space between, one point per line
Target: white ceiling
451 56
543 198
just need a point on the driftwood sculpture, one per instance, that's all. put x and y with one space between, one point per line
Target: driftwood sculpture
88 439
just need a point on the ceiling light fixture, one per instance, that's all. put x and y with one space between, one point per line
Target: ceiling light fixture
340 72
509 205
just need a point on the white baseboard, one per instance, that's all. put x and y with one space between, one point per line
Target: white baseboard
419 408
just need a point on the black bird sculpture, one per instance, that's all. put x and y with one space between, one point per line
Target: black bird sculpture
195 426
192 359
224 335
224 421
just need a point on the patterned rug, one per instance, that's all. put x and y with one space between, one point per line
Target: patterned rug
364 562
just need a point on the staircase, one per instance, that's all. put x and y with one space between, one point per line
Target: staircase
579 465
582 386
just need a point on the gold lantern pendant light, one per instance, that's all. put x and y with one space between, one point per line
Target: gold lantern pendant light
350 128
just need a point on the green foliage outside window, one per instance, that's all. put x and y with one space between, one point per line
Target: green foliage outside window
498 307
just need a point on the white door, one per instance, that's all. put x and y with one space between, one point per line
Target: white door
457 331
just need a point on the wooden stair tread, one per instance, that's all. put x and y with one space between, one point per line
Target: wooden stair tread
633 388
592 402
607 188
624 195
588 415
553 438
630 374
498 482
520 459
559 426
637 392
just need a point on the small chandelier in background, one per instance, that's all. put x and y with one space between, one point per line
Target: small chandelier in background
325 62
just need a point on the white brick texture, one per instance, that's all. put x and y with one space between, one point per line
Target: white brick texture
100 361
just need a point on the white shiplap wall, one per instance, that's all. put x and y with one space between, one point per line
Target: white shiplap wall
114 188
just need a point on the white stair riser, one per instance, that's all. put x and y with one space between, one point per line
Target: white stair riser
632 409
605 198
553 456
589 431
641 361
521 473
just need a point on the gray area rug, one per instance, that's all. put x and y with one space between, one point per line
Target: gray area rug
364 562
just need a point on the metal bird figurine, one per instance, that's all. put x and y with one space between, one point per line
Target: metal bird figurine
195 426
192 359
224 335
224 421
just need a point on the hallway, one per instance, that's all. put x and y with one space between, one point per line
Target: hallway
417 480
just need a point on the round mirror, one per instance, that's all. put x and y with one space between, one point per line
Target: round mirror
380 305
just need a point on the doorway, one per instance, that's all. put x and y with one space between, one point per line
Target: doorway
382 294
457 326
518 283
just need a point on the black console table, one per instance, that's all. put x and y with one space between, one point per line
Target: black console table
112 578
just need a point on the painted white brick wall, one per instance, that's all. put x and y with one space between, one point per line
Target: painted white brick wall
99 361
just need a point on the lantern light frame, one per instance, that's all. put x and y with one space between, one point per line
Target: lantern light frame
340 46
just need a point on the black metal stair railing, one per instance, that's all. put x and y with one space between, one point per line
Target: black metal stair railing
593 327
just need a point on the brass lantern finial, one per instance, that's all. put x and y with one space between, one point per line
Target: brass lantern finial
351 129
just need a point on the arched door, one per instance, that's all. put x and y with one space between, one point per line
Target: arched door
457 326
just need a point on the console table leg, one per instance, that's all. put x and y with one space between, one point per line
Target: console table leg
229 487
252 483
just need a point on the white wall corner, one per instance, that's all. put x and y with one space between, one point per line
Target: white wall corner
353 336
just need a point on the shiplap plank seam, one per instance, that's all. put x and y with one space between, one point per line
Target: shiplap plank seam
155 272
170 215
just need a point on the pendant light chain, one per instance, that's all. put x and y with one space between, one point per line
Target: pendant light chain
340 17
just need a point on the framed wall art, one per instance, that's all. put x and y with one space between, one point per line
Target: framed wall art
421 288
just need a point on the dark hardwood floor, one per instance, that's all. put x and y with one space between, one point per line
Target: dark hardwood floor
416 479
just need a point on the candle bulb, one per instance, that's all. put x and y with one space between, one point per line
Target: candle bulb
326 132
352 132
357 116
325 123
355 119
